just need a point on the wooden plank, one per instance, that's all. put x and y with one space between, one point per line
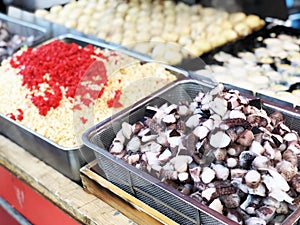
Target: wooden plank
61 191
138 212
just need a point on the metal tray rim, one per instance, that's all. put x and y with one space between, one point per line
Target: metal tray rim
104 44
25 24
121 49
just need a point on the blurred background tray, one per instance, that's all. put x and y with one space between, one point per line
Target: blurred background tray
32 33
287 83
250 42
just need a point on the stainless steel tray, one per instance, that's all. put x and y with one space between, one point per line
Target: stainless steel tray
143 186
67 160
26 29
248 44
32 5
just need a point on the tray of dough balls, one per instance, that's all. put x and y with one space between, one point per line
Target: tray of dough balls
267 63
15 33
203 153
169 31
51 93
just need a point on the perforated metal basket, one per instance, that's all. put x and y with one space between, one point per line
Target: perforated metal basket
167 200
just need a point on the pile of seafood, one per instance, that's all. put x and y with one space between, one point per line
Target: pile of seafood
271 67
221 149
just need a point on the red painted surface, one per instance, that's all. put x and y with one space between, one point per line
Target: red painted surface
32 205
6 218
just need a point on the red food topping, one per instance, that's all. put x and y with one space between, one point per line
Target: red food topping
60 64
12 116
77 107
20 116
115 101
83 120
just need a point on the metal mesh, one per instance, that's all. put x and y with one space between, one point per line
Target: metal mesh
163 208
169 203
115 174
292 119
208 220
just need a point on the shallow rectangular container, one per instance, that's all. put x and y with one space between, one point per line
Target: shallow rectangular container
247 44
167 200
67 160
33 5
26 29
250 42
